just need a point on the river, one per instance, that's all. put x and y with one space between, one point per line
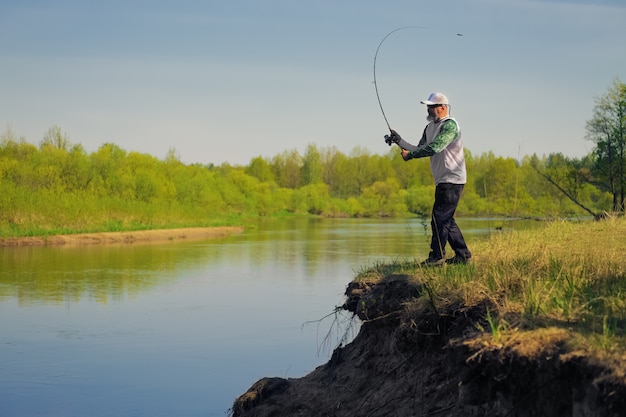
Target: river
183 328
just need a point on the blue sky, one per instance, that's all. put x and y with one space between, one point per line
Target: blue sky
232 80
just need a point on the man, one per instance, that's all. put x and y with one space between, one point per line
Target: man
443 143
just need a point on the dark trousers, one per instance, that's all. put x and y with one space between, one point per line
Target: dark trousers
444 227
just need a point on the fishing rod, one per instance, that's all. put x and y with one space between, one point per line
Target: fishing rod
376 57
388 140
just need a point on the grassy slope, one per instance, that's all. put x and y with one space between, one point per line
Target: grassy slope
569 275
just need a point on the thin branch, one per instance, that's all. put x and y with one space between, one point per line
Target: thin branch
568 195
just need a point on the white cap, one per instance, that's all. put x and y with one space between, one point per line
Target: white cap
435 98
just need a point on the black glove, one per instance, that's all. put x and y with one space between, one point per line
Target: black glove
393 137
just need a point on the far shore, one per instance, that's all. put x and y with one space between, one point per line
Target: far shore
130 237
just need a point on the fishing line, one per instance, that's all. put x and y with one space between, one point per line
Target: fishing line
376 56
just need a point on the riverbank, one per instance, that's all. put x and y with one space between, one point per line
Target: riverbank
534 326
412 360
121 238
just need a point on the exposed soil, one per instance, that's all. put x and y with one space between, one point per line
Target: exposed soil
411 359
143 236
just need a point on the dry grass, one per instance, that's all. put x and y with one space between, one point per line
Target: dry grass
567 274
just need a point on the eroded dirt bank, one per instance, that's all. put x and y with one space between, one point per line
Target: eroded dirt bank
410 359
144 236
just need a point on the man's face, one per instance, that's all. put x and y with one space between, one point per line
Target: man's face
436 111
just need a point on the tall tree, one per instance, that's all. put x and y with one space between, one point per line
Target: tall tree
607 128
286 168
56 138
260 168
332 160
312 169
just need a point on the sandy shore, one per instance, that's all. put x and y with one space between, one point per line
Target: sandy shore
143 236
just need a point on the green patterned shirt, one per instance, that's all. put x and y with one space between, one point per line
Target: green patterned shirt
449 131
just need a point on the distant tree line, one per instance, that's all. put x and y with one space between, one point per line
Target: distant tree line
58 187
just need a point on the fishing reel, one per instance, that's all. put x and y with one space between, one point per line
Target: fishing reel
391 139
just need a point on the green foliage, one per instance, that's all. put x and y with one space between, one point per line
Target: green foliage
383 199
311 170
58 186
419 200
260 169
312 199
607 129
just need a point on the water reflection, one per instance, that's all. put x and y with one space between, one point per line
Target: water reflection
105 273
62 274
180 328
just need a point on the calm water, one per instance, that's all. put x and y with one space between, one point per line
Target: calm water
182 329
